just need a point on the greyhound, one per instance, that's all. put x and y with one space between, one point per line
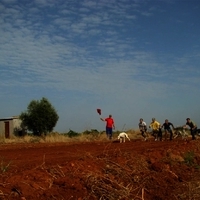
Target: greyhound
180 132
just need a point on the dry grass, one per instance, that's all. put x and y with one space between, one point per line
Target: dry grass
134 179
116 180
131 178
55 137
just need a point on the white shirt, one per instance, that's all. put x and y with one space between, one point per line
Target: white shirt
123 135
142 125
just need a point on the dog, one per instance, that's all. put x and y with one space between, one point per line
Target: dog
122 137
180 132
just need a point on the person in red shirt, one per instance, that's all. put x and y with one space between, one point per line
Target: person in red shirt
110 125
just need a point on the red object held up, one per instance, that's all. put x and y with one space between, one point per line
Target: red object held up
99 111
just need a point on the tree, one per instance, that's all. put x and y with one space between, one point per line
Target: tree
40 117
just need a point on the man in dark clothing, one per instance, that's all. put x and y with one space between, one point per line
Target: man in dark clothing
167 127
193 127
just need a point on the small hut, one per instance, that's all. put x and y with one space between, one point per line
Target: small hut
10 126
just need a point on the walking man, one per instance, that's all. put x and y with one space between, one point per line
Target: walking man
110 125
193 127
156 129
143 129
167 127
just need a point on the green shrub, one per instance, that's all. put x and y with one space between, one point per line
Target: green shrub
4 166
189 158
72 133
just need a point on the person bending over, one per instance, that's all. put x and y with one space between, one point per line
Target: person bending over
167 128
193 127
156 129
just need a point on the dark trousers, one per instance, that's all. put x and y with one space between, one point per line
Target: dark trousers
143 132
109 132
170 132
160 134
193 132
157 134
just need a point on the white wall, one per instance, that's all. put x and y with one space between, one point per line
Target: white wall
13 123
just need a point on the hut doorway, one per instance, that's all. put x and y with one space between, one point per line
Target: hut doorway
7 130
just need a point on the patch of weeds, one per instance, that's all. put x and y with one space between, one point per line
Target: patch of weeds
168 160
189 158
4 166
197 167
35 140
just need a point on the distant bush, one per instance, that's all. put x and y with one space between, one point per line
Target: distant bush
92 132
72 133
189 158
91 135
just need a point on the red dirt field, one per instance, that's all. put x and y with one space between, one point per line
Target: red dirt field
134 170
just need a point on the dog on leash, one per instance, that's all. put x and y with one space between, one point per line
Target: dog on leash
122 137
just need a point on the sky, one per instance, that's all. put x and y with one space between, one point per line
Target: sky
130 58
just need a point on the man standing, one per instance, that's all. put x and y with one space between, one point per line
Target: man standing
156 130
143 128
110 125
167 127
193 127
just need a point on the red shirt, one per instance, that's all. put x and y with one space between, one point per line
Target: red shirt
110 122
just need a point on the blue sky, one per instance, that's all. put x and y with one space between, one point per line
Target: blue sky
131 58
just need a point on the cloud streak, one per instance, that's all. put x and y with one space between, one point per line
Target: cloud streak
92 50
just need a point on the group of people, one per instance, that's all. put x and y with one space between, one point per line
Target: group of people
167 126
154 125
156 129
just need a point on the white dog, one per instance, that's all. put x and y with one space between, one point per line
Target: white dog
180 132
122 137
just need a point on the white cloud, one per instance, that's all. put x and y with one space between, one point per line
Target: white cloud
87 50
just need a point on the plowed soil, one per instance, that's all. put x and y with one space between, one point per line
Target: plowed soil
101 170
